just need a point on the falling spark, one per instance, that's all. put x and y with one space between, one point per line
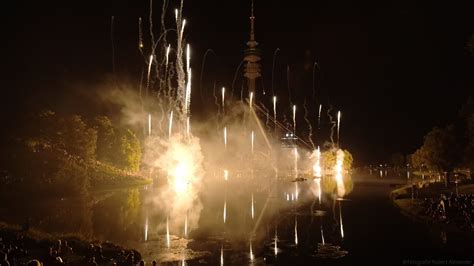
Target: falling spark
294 119
296 231
224 216
274 110
146 228
338 124
340 220
167 54
222 255
251 100
319 115
253 209
338 170
226 175
223 99
186 226
149 124
252 139
170 128
225 137
251 251
167 232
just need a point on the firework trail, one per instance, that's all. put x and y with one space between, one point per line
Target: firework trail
333 124
170 128
288 80
319 115
223 99
140 35
314 84
275 110
202 71
273 68
235 77
294 119
216 100
310 134
338 125
150 62
225 138
251 100
150 18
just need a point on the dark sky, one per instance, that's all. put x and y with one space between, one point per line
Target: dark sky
394 68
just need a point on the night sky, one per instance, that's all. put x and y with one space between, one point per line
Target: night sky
394 68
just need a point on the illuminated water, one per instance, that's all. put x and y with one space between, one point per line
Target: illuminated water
287 231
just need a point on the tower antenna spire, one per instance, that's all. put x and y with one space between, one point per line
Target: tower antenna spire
252 56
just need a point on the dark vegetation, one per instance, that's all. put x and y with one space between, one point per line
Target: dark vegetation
55 155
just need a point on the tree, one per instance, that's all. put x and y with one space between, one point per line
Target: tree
440 151
106 138
129 154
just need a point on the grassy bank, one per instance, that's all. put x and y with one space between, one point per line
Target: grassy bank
22 245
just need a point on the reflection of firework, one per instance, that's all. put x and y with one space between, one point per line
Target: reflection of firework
338 173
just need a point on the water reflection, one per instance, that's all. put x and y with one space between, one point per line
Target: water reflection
136 218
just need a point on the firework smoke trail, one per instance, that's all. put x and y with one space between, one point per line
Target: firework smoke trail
288 80
333 124
222 255
150 18
340 220
180 71
188 127
294 119
186 226
310 134
170 127
224 216
273 67
223 100
275 245
140 35
252 139
338 125
167 56
146 228
251 251
251 100
253 208
235 77
225 137
148 75
188 85
319 115
149 124
216 100
202 71
296 230
314 85
275 110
